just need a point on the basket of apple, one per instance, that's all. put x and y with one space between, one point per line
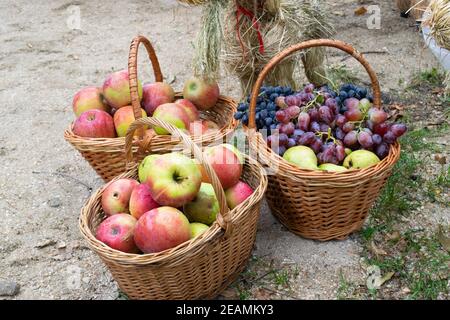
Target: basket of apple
176 226
330 152
103 114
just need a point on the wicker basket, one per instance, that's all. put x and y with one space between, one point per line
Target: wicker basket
199 268
106 156
315 204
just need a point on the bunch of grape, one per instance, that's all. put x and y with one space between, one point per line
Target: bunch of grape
351 91
266 107
316 118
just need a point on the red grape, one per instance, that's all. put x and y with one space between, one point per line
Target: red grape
282 139
281 102
370 125
281 116
353 114
324 127
291 100
351 103
377 139
367 130
339 134
281 150
382 150
340 153
347 127
377 115
314 114
398 129
340 120
309 88
381 128
325 114
389 137
316 145
303 121
292 112
287 128
351 139
307 138
291 143
315 126
365 139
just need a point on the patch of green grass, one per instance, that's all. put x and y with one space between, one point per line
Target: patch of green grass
346 289
243 294
433 77
281 277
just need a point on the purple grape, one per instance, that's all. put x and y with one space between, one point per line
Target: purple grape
347 127
381 128
340 153
292 112
291 100
287 128
314 114
367 130
377 139
307 138
303 121
340 120
298 132
382 150
291 143
398 129
365 139
328 154
281 116
332 104
309 88
389 137
325 114
339 134
315 126
324 127
316 145
310 96
281 150
351 139
282 139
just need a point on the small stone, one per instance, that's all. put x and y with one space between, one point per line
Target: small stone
54 202
61 245
9 288
45 243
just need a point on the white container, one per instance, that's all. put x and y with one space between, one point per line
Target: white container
443 55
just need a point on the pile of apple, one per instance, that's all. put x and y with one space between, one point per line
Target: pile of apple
173 201
106 112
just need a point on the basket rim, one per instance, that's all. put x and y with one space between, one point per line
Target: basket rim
214 232
232 124
289 168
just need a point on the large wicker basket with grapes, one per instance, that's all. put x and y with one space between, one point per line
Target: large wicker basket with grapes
328 154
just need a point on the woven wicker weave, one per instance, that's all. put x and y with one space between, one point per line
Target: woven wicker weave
315 204
106 156
199 268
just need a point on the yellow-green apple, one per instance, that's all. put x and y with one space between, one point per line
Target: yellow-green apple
332 167
201 127
171 113
360 159
302 156
173 178
160 229
87 99
237 194
226 164
116 89
123 118
205 207
203 93
190 109
197 229
94 124
117 232
141 201
145 166
116 196
156 94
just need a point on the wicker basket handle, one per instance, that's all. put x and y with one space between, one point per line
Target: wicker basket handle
132 70
306 45
223 218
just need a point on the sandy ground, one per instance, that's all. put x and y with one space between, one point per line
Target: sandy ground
44 182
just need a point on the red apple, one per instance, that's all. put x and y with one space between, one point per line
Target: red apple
237 194
201 127
116 89
156 94
141 201
94 124
123 118
190 109
116 197
204 94
87 99
117 232
226 164
171 113
160 229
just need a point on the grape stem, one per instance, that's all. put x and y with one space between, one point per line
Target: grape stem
329 135
312 102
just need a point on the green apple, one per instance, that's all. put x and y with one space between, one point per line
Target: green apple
332 167
197 229
204 207
145 165
173 178
360 159
301 156
236 151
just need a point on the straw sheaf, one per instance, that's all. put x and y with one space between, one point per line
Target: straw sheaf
438 19
199 268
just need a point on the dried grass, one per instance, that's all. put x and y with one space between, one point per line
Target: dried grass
439 22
